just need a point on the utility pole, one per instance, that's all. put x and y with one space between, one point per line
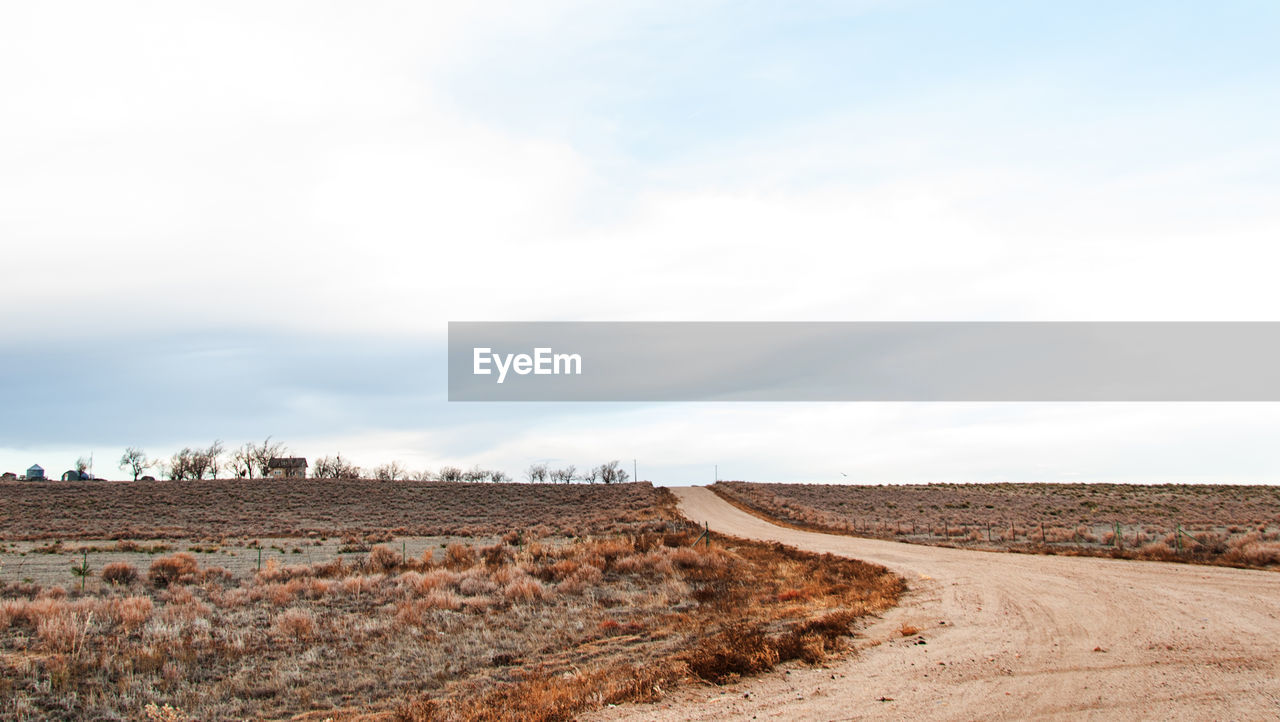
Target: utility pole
635 473
717 472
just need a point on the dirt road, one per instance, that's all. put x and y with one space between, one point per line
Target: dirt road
1013 636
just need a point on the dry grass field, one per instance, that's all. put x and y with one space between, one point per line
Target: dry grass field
534 623
1218 524
298 507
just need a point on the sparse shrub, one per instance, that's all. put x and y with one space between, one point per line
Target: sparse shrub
791 595
741 649
438 579
10 611
131 612
60 629
383 559
475 582
119 573
182 605
179 568
1251 550
1157 551
497 555
559 570
52 593
459 556
295 623
523 589
442 599
585 577
632 564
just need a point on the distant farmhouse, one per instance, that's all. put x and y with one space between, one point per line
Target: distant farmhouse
288 467
8 476
35 473
73 475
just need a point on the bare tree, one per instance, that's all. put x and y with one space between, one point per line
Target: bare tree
475 474
197 463
499 477
188 464
179 466
565 475
82 467
424 475
450 473
334 467
536 473
134 460
242 461
589 475
213 453
393 471
263 454
611 473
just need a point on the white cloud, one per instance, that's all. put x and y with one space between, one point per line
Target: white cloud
303 166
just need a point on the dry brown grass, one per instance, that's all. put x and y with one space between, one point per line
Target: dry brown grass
180 567
119 573
297 507
1225 525
532 631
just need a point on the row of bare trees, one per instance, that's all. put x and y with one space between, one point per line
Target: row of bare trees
607 473
253 459
244 461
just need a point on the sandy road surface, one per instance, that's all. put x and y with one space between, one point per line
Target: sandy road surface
1012 636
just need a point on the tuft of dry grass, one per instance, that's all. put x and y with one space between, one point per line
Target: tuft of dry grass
119 573
179 568
295 624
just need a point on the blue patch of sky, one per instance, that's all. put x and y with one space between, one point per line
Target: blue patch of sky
657 86
180 389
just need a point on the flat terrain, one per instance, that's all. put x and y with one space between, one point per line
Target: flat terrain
378 625
1015 636
1058 504
1231 525
300 507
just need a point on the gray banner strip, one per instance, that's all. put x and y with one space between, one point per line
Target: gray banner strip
879 361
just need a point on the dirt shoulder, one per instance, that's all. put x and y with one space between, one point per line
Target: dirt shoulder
1019 636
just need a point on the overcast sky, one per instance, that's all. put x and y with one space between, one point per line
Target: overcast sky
228 220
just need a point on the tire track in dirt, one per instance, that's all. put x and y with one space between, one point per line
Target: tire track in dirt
1017 636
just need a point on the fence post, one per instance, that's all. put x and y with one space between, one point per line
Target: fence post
259 558
1042 540
708 532
1177 537
1117 542
404 559
988 532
